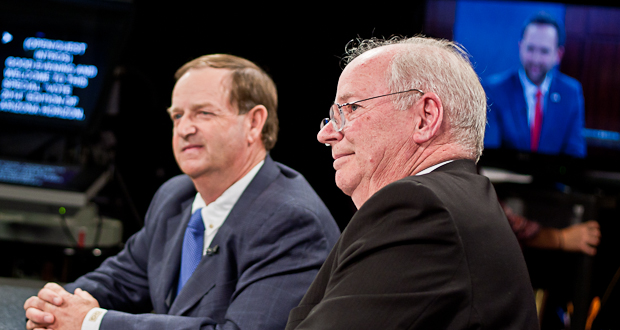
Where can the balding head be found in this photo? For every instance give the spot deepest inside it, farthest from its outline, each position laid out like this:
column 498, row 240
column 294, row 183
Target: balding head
column 441, row 67
column 402, row 106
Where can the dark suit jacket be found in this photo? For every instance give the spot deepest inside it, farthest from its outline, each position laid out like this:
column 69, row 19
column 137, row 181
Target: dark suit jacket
column 426, row 252
column 563, row 118
column 270, row 248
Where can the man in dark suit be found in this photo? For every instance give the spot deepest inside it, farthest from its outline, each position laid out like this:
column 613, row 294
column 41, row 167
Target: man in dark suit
column 429, row 247
column 232, row 244
column 536, row 108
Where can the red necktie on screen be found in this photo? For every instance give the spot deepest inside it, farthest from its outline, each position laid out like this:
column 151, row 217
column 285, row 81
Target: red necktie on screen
column 538, row 116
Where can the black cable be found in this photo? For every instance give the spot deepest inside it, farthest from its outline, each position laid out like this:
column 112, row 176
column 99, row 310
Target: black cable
column 610, row 287
column 66, row 230
column 125, row 191
column 98, row 231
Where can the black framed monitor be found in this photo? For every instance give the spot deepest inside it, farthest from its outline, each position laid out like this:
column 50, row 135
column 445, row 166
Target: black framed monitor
column 56, row 58
column 580, row 134
column 567, row 176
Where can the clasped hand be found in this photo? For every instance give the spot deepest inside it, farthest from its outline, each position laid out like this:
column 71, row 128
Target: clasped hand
column 55, row 308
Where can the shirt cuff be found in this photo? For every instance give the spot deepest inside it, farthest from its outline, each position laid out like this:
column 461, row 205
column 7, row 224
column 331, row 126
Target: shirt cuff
column 93, row 318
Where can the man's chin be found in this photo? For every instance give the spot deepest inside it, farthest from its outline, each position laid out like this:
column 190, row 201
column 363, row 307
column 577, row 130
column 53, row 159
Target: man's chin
column 536, row 76
column 344, row 185
column 192, row 170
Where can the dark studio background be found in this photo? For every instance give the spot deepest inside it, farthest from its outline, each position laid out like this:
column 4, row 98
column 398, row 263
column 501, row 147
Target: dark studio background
column 299, row 44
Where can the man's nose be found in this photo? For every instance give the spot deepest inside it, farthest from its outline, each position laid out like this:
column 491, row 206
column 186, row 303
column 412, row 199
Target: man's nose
column 538, row 56
column 328, row 135
column 185, row 127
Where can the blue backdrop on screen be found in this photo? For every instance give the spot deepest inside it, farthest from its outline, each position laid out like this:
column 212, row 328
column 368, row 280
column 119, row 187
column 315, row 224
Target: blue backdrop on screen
column 491, row 30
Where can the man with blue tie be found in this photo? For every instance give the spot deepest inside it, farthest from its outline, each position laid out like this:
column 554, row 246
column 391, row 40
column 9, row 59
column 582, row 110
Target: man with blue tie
column 536, row 108
column 233, row 243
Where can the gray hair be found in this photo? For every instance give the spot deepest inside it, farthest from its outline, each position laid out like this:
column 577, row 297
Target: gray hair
column 438, row 66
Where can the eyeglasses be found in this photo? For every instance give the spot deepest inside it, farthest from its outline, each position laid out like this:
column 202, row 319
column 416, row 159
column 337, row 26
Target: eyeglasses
column 338, row 121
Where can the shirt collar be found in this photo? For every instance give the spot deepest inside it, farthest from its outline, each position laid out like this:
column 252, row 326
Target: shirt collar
column 432, row 168
column 217, row 211
column 530, row 87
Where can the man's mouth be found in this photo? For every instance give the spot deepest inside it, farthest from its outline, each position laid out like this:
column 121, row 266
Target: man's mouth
column 191, row 147
column 337, row 156
column 339, row 159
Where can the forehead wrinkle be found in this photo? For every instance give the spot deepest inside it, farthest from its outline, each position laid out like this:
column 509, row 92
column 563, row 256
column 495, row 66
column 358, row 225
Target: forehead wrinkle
column 359, row 91
column 194, row 106
column 223, row 86
column 199, row 105
column 345, row 96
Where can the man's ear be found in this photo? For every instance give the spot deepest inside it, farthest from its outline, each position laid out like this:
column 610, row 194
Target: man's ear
column 255, row 120
column 429, row 118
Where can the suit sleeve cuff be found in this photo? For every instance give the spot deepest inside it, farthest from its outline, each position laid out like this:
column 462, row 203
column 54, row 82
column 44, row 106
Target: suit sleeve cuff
column 93, row 318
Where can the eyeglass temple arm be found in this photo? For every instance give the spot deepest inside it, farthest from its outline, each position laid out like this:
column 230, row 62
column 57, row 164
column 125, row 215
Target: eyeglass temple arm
column 376, row 97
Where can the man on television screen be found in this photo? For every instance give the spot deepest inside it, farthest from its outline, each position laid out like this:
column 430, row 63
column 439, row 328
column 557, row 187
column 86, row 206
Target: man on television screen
column 536, row 108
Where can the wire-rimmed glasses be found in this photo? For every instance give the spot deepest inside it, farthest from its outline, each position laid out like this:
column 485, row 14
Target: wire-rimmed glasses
column 339, row 121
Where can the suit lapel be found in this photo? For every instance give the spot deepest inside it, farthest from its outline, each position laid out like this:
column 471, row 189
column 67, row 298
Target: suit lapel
column 552, row 115
column 172, row 256
column 263, row 178
column 197, row 286
column 520, row 120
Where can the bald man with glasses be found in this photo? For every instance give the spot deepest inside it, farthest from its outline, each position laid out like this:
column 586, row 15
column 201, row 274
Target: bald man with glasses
column 429, row 247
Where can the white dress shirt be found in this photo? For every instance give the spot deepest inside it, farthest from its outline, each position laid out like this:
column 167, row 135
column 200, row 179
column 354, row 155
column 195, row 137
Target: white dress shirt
column 432, row 168
column 529, row 92
column 213, row 216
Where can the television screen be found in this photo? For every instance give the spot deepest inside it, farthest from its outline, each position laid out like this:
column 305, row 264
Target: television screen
column 55, row 58
column 571, row 173
column 574, row 123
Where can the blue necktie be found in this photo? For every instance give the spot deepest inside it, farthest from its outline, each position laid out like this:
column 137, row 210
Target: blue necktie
column 193, row 243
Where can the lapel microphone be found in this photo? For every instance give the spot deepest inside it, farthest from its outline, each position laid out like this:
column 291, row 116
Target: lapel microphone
column 213, row 250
